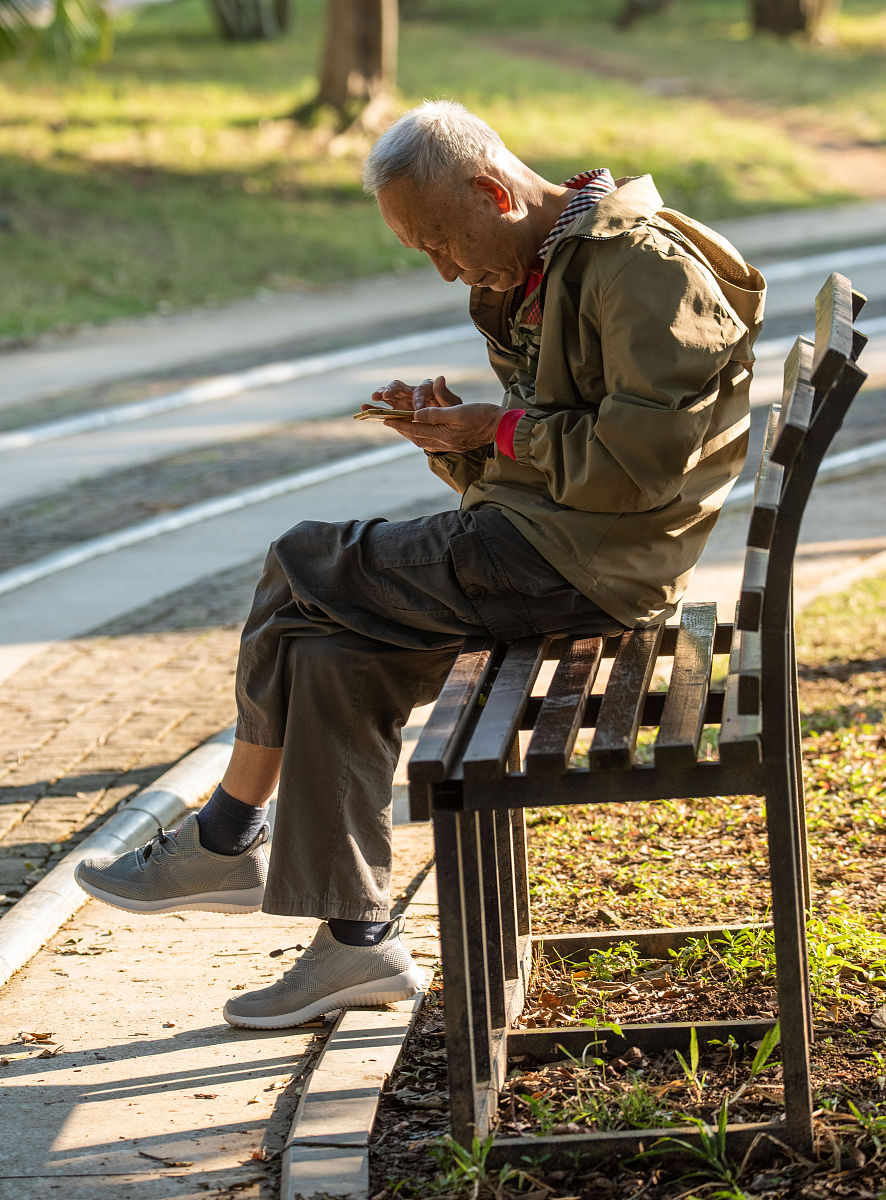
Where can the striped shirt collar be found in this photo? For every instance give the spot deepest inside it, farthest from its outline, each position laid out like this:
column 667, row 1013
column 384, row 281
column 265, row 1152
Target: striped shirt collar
column 589, row 186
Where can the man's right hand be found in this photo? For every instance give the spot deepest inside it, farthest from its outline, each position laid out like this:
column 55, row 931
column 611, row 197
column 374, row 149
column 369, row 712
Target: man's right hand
column 430, row 393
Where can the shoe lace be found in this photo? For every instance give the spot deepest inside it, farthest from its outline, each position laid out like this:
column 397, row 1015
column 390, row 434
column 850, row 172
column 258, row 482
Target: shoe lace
column 286, row 949
column 158, row 842
column 306, row 952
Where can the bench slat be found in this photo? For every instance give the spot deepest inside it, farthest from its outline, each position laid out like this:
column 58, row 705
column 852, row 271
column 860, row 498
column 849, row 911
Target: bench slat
column 487, row 751
column 798, row 398
column 440, row 739
column 762, row 524
column 676, row 746
column 562, row 709
column 750, row 673
column 753, row 588
column 622, row 706
column 740, row 734
column 833, row 330
column 767, row 487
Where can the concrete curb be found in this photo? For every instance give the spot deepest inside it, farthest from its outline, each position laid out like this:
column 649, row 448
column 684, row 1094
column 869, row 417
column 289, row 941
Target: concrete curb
column 38, row 915
column 327, row 1150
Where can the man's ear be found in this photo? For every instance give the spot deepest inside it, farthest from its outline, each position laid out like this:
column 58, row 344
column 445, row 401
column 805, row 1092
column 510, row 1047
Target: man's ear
column 496, row 191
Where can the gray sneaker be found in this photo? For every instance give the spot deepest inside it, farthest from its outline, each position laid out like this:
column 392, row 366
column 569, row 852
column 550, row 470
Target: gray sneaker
column 329, row 975
column 173, row 872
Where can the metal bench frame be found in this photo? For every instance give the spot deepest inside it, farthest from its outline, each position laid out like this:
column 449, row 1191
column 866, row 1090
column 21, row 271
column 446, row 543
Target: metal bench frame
column 469, row 775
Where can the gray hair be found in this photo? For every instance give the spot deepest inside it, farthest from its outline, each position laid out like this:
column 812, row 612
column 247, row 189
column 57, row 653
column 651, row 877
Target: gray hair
column 429, row 144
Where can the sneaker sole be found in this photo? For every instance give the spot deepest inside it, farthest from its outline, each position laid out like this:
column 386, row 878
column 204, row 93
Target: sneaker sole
column 248, row 900
column 383, row 991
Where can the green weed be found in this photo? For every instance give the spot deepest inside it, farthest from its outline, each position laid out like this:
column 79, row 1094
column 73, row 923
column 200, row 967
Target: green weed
column 708, row 1153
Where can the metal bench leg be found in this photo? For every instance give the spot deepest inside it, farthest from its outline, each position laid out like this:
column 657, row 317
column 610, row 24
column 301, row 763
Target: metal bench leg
column 504, row 848
column 797, row 751
column 788, row 916
column 492, row 911
column 462, row 937
column 521, row 871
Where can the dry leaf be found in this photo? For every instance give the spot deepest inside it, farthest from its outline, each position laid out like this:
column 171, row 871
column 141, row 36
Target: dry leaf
column 278, row 1085
column 205, row 1095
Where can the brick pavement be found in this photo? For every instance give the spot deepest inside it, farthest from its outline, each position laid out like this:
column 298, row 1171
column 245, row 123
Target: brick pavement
column 92, row 721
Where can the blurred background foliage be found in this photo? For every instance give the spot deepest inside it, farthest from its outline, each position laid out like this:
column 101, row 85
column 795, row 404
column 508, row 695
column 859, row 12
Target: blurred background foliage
column 172, row 173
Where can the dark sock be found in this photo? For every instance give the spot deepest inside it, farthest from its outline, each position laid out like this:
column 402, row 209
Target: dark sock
column 227, row 825
column 358, row 933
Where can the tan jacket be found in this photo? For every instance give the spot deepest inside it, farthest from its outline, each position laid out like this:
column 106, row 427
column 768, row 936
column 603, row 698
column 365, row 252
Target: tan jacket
column 637, row 410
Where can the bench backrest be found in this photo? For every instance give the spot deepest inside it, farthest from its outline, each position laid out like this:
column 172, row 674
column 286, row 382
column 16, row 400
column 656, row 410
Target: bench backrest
column 820, row 382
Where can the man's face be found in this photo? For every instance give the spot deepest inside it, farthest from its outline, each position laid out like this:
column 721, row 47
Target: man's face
column 468, row 229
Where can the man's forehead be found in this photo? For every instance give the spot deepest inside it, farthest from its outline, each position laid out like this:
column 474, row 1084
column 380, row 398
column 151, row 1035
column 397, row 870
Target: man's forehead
column 414, row 212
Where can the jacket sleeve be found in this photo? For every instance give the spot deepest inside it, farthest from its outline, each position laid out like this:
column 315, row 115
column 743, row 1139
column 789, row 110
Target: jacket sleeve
column 459, row 470
column 665, row 336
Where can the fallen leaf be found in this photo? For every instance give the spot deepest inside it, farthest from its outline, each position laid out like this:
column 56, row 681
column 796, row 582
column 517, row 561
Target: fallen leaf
column 878, row 1017
column 278, row 1085
column 205, row 1095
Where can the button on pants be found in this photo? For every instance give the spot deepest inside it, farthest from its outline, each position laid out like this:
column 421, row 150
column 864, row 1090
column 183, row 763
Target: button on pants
column 351, row 627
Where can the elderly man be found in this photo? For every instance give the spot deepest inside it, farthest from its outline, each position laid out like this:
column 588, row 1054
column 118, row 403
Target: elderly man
column 622, row 335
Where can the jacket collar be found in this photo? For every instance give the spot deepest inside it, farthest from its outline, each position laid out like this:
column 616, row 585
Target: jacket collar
column 634, row 201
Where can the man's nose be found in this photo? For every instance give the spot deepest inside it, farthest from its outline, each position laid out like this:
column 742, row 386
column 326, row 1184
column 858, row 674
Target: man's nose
column 445, row 266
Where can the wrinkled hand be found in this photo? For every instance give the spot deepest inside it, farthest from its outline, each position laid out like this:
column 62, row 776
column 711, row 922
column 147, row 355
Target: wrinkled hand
column 441, row 423
column 430, row 393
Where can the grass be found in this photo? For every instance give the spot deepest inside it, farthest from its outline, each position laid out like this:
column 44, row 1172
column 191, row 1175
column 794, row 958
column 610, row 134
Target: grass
column 170, row 176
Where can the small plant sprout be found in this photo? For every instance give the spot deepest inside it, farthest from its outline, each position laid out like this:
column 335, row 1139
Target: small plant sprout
column 695, row 1081
column 461, row 1167
column 761, row 1059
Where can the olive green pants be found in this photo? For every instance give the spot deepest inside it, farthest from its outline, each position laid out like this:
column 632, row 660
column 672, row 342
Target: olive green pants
column 352, row 626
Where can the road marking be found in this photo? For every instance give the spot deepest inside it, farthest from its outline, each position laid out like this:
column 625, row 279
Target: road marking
column 223, row 387
column 779, row 347
column 830, row 464
column 194, row 514
column 798, row 268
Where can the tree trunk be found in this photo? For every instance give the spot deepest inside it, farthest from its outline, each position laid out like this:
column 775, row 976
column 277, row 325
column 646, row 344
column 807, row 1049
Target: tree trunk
column 251, row 20
column 359, row 62
column 791, row 16
column 633, row 10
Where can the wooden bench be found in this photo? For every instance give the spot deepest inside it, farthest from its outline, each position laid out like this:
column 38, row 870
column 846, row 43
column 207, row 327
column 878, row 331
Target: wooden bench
column 469, row 774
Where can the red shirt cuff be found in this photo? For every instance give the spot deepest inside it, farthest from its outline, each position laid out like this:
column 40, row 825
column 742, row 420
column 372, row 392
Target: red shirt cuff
column 504, row 434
